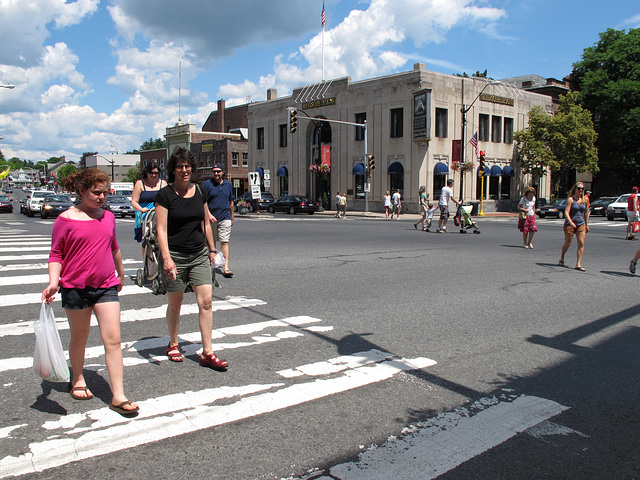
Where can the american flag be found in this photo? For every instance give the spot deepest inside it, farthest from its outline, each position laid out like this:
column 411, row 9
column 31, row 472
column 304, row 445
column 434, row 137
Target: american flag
column 474, row 142
column 323, row 16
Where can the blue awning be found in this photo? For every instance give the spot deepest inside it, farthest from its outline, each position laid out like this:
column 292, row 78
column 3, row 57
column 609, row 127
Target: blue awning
column 441, row 169
column 496, row 171
column 396, row 167
column 260, row 171
column 358, row 169
column 487, row 171
column 508, row 171
column 282, row 172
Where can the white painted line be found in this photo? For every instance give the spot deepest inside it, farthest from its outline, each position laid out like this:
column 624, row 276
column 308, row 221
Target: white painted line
column 25, row 327
column 25, row 249
column 6, row 258
column 164, row 417
column 448, row 440
column 39, row 266
column 5, row 243
column 190, row 344
column 27, row 298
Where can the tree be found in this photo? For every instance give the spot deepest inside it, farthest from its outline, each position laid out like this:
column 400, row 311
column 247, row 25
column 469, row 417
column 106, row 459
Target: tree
column 563, row 143
column 151, row 144
column 64, row 171
column 133, row 174
column 608, row 79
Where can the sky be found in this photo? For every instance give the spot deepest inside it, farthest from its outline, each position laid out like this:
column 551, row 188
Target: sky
column 104, row 75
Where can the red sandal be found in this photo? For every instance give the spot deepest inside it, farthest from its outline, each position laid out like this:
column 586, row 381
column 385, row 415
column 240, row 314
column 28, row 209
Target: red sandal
column 212, row 361
column 174, row 353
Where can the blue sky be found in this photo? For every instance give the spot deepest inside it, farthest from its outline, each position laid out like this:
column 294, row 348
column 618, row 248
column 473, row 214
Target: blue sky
column 90, row 74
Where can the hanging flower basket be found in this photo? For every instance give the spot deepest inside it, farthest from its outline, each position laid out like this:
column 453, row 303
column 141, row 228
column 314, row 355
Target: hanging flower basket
column 462, row 167
column 320, row 168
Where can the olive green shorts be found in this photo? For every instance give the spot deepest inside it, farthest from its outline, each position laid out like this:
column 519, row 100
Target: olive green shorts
column 192, row 269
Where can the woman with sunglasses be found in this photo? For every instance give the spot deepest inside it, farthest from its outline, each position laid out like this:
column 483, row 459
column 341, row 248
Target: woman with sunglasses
column 144, row 194
column 576, row 223
column 187, row 252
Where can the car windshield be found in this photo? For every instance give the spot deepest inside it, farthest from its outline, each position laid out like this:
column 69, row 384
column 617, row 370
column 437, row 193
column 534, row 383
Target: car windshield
column 4, row 198
column 57, row 198
column 117, row 199
column 560, row 203
column 622, row 198
column 601, row 201
column 40, row 194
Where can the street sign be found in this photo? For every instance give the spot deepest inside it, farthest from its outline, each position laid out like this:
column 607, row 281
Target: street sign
column 236, row 183
column 254, row 179
column 267, row 175
column 255, row 192
column 367, row 187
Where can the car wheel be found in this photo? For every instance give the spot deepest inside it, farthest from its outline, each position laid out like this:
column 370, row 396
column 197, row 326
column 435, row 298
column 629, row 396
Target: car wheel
column 270, row 210
column 561, row 215
column 29, row 213
column 540, row 215
column 42, row 215
column 311, row 213
column 292, row 210
column 610, row 218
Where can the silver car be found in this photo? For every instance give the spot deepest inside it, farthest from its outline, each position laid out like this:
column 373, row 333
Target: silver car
column 119, row 205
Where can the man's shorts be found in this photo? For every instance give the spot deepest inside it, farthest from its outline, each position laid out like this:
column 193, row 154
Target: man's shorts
column 81, row 298
column 192, row 269
column 444, row 211
column 222, row 231
column 631, row 216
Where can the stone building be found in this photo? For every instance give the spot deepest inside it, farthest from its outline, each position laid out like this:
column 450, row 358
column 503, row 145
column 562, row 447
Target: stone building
column 414, row 130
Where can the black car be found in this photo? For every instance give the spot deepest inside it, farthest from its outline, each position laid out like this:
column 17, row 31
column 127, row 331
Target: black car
column 553, row 209
column 54, row 205
column 6, row 205
column 264, row 201
column 293, row 204
column 599, row 206
column 119, row 205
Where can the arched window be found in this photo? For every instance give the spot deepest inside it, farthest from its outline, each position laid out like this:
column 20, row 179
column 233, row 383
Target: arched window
column 396, row 176
column 358, row 179
column 440, row 172
column 283, row 180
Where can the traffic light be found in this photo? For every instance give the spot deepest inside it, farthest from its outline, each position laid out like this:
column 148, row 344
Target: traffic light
column 481, row 167
column 293, row 119
column 370, row 164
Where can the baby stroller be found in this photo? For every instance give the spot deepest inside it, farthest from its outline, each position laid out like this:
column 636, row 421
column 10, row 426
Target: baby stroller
column 150, row 272
column 463, row 219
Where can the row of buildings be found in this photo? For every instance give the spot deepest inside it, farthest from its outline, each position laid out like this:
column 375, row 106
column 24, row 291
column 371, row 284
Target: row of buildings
column 419, row 125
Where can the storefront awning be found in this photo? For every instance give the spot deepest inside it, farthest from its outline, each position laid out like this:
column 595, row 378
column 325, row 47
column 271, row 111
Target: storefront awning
column 496, row 171
column 396, row 167
column 441, row 169
column 282, row 172
column 260, row 171
column 508, row 171
column 358, row 169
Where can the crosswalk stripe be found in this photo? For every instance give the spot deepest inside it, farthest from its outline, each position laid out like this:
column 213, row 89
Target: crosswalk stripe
column 44, row 266
column 31, row 298
column 25, row 327
column 110, row 432
column 7, row 258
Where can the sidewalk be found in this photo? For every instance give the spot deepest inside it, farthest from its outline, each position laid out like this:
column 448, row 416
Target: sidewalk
column 412, row 216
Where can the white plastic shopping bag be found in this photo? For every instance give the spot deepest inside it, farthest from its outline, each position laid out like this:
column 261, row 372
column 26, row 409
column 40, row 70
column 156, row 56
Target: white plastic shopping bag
column 49, row 361
column 219, row 260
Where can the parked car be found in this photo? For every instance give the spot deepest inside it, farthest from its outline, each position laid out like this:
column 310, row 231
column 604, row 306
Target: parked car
column 618, row 209
column 266, row 199
column 293, row 204
column 7, row 190
column 54, row 205
column 6, row 205
column 553, row 209
column 599, row 206
column 34, row 202
column 119, row 205
column 23, row 205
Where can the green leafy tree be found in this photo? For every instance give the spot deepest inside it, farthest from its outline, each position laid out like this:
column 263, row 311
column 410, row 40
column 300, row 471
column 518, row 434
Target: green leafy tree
column 608, row 79
column 151, row 144
column 133, row 174
column 64, row 171
column 562, row 143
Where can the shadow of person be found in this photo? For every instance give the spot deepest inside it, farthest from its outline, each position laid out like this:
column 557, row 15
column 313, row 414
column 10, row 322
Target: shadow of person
column 44, row 404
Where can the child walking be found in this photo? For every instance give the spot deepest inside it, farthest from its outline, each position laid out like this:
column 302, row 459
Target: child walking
column 84, row 258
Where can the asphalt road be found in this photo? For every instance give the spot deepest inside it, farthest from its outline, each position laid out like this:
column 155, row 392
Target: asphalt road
column 358, row 348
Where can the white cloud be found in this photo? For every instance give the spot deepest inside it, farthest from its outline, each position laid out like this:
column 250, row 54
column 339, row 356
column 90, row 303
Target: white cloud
column 632, row 22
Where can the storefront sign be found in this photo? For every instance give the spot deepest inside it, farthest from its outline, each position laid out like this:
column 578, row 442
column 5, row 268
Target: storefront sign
column 422, row 115
column 487, row 97
column 325, row 102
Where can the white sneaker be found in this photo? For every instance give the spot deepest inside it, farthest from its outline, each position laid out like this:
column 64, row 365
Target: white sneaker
column 632, row 266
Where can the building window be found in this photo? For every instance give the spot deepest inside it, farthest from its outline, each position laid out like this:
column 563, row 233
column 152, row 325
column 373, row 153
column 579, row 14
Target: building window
column 360, row 118
column 496, row 129
column 508, row 130
column 483, row 129
column 442, row 122
column 245, row 159
column 260, row 138
column 396, row 122
column 234, row 159
column 283, row 135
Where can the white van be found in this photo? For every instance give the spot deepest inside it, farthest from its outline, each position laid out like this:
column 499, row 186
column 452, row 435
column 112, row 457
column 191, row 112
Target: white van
column 122, row 188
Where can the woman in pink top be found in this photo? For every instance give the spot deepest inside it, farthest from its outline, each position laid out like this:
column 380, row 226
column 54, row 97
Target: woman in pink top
column 84, row 258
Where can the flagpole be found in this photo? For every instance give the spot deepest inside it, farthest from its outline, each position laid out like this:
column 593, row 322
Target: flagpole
column 323, row 18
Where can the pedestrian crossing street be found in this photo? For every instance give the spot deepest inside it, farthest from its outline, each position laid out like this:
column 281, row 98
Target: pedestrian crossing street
column 89, row 429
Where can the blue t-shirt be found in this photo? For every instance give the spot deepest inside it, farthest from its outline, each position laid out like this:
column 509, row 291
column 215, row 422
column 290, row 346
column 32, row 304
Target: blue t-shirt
column 219, row 197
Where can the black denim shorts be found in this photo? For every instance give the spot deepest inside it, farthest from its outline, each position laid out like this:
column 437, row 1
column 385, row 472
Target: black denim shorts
column 81, row 298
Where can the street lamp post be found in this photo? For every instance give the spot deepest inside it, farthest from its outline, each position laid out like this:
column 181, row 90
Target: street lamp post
column 112, row 162
column 464, row 111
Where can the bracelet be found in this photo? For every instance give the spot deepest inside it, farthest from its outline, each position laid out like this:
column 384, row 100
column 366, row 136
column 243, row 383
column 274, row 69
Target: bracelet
column 213, row 251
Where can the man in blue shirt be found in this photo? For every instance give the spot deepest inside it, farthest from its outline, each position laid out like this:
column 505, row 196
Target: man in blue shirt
column 220, row 198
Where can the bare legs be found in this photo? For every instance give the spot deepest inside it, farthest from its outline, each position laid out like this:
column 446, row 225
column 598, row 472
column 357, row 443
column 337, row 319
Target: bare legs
column 205, row 315
column 580, row 235
column 108, row 315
